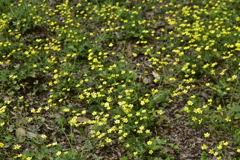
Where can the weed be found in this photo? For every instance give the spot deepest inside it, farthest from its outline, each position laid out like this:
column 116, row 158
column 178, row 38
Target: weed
column 100, row 79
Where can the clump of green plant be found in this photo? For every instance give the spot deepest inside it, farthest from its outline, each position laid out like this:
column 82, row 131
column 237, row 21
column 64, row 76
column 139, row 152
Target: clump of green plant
column 85, row 79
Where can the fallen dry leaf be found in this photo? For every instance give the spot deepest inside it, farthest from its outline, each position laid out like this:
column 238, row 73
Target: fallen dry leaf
column 82, row 119
column 164, row 117
column 31, row 135
column 129, row 47
column 20, row 134
column 156, row 75
column 146, row 80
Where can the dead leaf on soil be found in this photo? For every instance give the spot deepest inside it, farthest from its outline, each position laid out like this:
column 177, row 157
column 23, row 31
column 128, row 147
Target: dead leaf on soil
column 178, row 115
column 169, row 150
column 129, row 47
column 82, row 119
column 146, row 80
column 20, row 134
column 156, row 75
column 31, row 135
column 164, row 117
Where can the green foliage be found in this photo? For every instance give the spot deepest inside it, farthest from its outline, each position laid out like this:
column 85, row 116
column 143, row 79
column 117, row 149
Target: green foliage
column 96, row 79
column 204, row 156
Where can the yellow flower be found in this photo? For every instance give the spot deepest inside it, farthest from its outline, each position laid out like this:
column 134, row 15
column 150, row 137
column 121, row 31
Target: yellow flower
column 150, row 152
column 18, row 156
column 216, row 153
column 238, row 150
column 147, row 131
column 135, row 153
column 219, row 147
column 54, row 144
column 206, row 134
column 204, row 146
column 210, row 101
column 190, row 103
column 66, row 110
column 84, row 112
column 1, row 124
column 149, row 142
column 186, row 109
column 205, row 106
column 219, row 107
column 141, row 128
column 1, row 145
column 43, row 136
column 225, row 143
column 108, row 140
column 197, row 110
column 58, row 153
column 194, row 118
column 16, row 146
column 227, row 119
column 160, row 112
column 117, row 121
column 211, row 151
column 142, row 103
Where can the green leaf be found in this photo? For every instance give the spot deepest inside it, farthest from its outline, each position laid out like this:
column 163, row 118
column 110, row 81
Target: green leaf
column 73, row 48
column 124, row 158
column 204, row 156
column 8, row 138
column 11, row 93
column 236, row 108
column 176, row 147
column 237, row 116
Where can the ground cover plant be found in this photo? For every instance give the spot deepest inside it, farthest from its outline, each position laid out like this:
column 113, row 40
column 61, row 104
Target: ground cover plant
column 141, row 79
